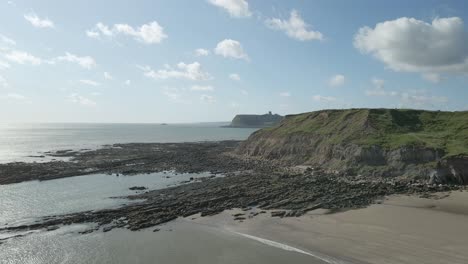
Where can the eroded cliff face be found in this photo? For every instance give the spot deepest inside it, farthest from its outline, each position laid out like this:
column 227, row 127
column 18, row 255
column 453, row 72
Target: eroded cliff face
column 350, row 157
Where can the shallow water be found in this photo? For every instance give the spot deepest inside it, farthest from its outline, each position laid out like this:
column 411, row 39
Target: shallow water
column 19, row 141
column 175, row 243
column 23, row 202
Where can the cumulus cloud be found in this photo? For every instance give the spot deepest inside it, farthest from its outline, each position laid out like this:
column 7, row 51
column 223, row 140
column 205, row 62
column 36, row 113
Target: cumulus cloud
column 202, row 52
column 78, row 99
column 39, row 22
column 234, row 76
column 412, row 98
column 431, row 77
column 7, row 40
column 285, row 94
column 323, row 99
column 208, row 98
column 86, row 62
column 379, row 89
column 411, row 45
column 151, row 33
column 192, row 71
column 337, row 80
column 295, row 27
column 4, row 65
column 230, row 48
column 206, row 88
column 422, row 99
column 90, row 82
column 235, row 8
column 108, row 76
column 128, row 82
column 3, row 82
column 175, row 95
column 22, row 57
column 13, row 96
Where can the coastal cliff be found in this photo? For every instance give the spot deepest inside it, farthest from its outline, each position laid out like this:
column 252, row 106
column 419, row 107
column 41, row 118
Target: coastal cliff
column 256, row 121
column 429, row 145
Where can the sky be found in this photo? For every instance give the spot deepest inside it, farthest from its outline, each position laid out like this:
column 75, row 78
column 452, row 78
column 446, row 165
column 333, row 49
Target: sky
column 208, row 60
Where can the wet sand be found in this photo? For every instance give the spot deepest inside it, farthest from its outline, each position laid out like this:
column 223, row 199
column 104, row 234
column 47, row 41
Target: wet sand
column 402, row 229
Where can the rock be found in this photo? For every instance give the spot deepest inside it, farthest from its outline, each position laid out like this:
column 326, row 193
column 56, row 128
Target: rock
column 137, row 188
column 278, row 213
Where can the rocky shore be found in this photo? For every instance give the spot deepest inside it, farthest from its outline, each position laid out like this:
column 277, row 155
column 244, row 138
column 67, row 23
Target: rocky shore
column 136, row 158
column 245, row 183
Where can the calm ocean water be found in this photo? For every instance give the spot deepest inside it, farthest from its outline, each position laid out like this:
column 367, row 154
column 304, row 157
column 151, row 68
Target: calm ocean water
column 175, row 243
column 20, row 141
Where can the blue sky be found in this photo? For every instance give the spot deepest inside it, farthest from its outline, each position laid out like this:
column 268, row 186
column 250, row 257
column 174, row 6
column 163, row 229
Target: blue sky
column 207, row 60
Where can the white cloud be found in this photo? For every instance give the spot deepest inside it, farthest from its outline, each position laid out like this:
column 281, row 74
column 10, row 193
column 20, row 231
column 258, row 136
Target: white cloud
column 379, row 89
column 128, row 82
column 191, row 71
column 78, row 99
column 337, row 80
column 38, row 22
column 234, row 105
column 95, row 93
column 411, row 98
column 295, row 27
column 151, row 33
column 4, row 65
column 411, row 45
column 3, row 82
column 324, row 99
column 92, row 34
column 7, row 40
column 22, row 57
column 90, row 82
column 202, row 52
column 235, row 8
column 229, row 48
column 208, row 98
column 108, row 76
column 420, row 98
column 13, row 96
column 244, row 92
column 207, row 88
column 378, row 83
column 431, row 77
column 86, row 62
column 234, row 76
column 285, row 94
column 173, row 94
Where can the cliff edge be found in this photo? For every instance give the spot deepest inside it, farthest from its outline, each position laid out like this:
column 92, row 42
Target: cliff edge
column 420, row 144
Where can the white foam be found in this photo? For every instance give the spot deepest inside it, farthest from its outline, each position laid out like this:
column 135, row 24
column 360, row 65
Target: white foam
column 290, row 248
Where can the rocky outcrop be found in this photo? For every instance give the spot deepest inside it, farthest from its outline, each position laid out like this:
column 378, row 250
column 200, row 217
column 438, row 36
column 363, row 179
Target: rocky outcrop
column 266, row 120
column 363, row 141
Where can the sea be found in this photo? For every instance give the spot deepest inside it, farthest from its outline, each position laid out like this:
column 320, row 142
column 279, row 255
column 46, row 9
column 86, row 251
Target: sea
column 176, row 242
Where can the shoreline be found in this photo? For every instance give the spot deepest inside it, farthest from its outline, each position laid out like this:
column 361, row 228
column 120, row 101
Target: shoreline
column 424, row 231
column 309, row 211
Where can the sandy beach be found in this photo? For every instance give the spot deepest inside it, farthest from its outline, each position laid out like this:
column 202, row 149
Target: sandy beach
column 401, row 229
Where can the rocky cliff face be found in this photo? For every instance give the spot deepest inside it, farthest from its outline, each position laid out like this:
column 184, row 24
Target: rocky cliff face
column 355, row 141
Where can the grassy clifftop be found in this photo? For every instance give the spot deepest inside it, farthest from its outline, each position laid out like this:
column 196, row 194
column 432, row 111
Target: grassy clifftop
column 388, row 128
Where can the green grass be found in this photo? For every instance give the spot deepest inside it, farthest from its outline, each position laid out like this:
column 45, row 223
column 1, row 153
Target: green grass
column 389, row 128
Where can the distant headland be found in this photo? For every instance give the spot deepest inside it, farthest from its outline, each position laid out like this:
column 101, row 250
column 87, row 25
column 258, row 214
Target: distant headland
column 256, row 121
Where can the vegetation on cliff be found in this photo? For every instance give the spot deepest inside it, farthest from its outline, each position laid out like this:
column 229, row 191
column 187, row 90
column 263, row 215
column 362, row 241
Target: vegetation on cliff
column 386, row 142
column 389, row 128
